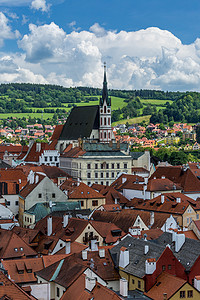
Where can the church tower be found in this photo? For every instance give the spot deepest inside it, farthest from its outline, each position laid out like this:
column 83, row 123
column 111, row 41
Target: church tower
column 105, row 130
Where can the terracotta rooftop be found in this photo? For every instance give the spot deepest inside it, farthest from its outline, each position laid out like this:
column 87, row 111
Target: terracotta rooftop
column 9, row 290
column 170, row 204
column 12, row 246
column 74, row 152
column 111, row 194
column 182, row 176
column 120, row 182
column 162, row 184
column 57, row 131
column 77, row 291
column 83, row 191
column 166, row 283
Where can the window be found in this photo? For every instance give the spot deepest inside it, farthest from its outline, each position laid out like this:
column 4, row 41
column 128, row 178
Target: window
column 8, row 203
column 96, row 166
column 50, row 158
column 89, row 183
column 182, row 294
column 107, row 182
column 101, row 182
column 113, row 174
column 82, row 203
column 55, row 158
column 89, row 175
column 96, row 175
column 104, row 121
column 118, row 166
column 89, row 166
column 29, row 270
column 53, row 195
column 107, row 175
column 102, row 175
column 16, row 203
column 133, row 281
column 45, row 158
column 188, row 219
column 61, row 245
column 39, row 195
column 104, row 109
column 190, row 294
column 125, row 165
column 169, row 267
column 113, row 166
column 104, row 135
column 58, row 292
column 197, row 217
column 94, row 202
column 107, row 166
column 163, row 268
column 108, row 121
column 101, row 166
column 139, row 284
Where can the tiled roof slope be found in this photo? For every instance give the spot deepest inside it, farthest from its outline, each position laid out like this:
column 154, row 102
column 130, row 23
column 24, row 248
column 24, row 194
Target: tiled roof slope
column 12, row 291
column 130, row 179
column 74, row 152
column 184, row 177
column 166, row 283
column 12, row 246
column 77, row 291
column 162, row 184
column 57, row 131
column 83, row 191
column 127, row 217
column 170, row 204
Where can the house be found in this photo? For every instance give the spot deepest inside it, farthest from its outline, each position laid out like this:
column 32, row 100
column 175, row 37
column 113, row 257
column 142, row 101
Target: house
column 61, row 275
column 168, row 286
column 182, row 208
column 141, row 160
column 10, row 152
column 39, row 189
column 11, row 181
column 142, row 261
column 195, row 227
column 10, row 290
column 88, row 197
column 81, row 290
column 39, row 153
column 96, row 162
column 7, row 218
column 182, row 176
column 134, row 221
column 140, row 171
column 12, row 246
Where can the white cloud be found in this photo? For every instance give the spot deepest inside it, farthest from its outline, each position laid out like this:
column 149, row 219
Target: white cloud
column 40, row 5
column 144, row 59
column 5, row 30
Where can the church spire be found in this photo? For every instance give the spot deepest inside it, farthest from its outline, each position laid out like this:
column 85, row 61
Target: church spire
column 105, row 90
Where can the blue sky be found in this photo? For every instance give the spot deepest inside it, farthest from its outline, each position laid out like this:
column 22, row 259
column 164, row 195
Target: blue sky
column 146, row 43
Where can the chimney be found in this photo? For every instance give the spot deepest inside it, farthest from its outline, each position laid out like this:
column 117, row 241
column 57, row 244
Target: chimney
column 115, row 201
column 38, row 147
column 146, row 249
column 102, row 253
column 144, row 191
column 145, row 180
column 164, row 296
column 162, row 199
column 197, row 282
column 123, row 257
column 123, row 283
column 124, row 179
column 150, row 266
column 94, row 246
column 49, row 225
column 67, row 246
column 36, row 179
column 84, row 254
column 179, row 241
column 151, row 218
column 65, row 220
column 90, row 283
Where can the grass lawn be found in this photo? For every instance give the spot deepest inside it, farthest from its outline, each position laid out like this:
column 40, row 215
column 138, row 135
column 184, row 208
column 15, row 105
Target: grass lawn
column 133, row 121
column 155, row 101
column 26, row 115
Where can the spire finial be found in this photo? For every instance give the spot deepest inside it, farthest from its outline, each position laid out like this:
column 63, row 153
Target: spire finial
column 104, row 71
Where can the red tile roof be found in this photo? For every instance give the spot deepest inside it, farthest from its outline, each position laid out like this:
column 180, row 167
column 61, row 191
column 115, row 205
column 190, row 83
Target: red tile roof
column 166, row 283
column 83, row 191
column 10, row 290
column 162, row 184
column 57, row 131
column 74, row 152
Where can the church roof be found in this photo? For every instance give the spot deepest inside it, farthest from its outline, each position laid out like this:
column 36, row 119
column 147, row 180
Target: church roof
column 80, row 123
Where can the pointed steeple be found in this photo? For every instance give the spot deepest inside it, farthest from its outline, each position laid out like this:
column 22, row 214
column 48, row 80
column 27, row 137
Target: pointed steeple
column 105, row 90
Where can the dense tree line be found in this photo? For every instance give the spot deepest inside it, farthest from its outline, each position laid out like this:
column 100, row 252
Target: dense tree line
column 184, row 109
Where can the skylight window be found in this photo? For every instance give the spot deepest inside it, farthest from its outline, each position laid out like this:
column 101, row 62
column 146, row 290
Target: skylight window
column 15, row 249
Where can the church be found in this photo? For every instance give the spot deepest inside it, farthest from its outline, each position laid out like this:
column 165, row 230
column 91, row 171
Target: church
column 89, row 123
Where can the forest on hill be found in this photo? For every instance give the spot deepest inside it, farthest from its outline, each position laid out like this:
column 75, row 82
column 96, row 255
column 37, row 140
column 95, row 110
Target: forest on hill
column 163, row 107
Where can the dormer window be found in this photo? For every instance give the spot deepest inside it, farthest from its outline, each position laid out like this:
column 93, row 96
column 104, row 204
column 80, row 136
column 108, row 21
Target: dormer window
column 15, row 249
column 21, row 249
